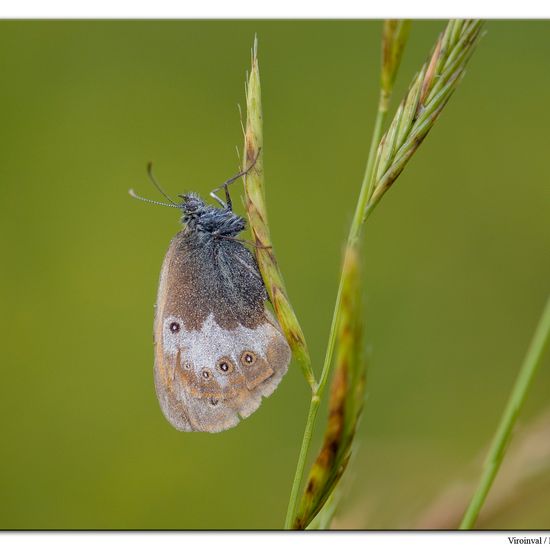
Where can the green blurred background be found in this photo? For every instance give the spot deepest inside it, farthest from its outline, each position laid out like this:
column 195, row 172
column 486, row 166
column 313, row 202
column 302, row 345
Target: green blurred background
column 457, row 265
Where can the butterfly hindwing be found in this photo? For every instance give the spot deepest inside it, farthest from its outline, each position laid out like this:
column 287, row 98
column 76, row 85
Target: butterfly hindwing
column 218, row 350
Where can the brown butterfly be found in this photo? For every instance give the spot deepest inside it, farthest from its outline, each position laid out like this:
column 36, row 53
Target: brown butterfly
column 218, row 350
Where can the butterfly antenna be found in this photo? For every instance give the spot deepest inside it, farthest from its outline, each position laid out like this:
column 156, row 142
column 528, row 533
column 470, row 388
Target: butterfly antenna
column 156, row 183
column 135, row 196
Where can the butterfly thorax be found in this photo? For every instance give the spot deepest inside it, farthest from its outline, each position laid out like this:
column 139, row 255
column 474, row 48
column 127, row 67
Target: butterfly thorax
column 204, row 218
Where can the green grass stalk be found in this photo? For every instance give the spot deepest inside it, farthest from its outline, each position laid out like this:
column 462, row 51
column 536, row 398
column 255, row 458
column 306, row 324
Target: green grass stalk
column 393, row 42
column 539, row 344
column 428, row 94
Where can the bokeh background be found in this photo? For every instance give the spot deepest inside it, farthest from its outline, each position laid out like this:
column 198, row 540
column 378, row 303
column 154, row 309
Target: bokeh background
column 457, row 268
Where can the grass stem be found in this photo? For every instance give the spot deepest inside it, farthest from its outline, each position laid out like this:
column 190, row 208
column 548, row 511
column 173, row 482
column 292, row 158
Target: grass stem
column 299, row 474
column 532, row 361
column 428, row 94
column 360, row 215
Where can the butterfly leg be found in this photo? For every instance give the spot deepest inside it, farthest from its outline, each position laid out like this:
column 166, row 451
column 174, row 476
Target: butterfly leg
column 228, row 204
column 218, row 200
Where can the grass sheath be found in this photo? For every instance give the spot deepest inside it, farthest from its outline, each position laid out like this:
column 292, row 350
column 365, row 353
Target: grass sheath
column 346, row 401
column 533, row 359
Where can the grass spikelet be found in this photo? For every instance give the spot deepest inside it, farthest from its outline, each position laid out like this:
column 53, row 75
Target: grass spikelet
column 254, row 186
column 394, row 38
column 428, row 94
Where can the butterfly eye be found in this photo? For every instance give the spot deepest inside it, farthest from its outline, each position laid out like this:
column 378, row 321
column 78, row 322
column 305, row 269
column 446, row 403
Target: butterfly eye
column 174, row 327
column 248, row 358
column 225, row 365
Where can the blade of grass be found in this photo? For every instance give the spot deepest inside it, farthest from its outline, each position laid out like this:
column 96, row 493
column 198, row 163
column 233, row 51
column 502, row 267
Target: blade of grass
column 532, row 361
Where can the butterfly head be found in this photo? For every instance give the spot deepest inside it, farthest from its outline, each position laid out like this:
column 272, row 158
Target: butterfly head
column 205, row 218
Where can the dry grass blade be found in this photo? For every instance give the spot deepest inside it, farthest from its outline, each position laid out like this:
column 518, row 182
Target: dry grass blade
column 346, row 401
column 528, row 458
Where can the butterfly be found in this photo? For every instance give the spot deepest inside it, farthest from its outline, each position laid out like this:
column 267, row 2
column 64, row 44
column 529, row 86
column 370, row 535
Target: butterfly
column 218, row 348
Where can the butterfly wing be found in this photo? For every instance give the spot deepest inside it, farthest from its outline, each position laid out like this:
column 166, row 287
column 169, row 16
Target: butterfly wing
column 218, row 350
